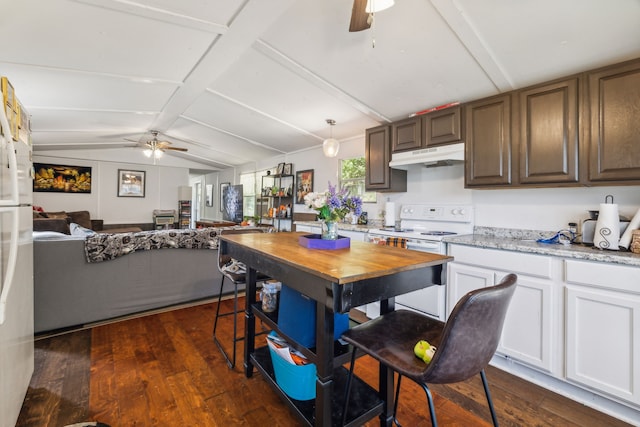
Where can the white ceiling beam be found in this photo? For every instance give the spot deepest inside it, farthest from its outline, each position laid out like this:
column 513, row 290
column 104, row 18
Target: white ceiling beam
column 308, row 75
column 455, row 17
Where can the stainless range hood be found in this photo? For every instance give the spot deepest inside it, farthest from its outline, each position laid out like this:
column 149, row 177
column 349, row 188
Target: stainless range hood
column 441, row 155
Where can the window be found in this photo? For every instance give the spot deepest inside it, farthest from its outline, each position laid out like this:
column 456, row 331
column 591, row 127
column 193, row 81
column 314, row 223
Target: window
column 352, row 173
column 248, row 181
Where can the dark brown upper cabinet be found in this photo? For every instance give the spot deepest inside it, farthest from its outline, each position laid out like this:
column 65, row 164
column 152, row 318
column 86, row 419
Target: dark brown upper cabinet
column 488, row 142
column 437, row 128
column 442, row 127
column 548, row 138
column 614, row 143
column 406, row 134
column 379, row 176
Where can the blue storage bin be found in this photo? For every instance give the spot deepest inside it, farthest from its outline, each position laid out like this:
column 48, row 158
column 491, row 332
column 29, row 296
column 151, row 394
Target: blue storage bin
column 297, row 381
column 297, row 318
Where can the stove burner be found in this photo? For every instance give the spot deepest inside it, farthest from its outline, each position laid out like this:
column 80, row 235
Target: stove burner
column 438, row 233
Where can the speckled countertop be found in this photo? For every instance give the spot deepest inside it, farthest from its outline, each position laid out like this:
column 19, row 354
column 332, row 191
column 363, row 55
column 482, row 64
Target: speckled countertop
column 525, row 241
column 372, row 225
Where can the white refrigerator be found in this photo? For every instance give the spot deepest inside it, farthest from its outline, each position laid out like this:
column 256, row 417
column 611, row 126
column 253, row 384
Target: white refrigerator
column 16, row 270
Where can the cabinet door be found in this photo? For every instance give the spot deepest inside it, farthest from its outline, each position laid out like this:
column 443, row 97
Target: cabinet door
column 614, row 98
column 462, row 279
column 488, row 142
column 379, row 176
column 603, row 341
column 527, row 331
column 406, row 134
column 442, row 127
column 549, row 133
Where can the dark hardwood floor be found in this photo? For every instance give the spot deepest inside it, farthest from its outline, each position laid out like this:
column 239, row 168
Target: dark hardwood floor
column 165, row 370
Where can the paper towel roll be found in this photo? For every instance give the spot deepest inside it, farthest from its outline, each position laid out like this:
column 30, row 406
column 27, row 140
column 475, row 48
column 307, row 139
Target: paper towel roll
column 607, row 234
column 625, row 240
column 390, row 214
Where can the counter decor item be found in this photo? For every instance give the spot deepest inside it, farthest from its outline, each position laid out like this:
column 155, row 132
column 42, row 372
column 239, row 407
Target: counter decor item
column 318, row 241
column 607, row 234
column 635, row 242
column 332, row 206
column 633, row 226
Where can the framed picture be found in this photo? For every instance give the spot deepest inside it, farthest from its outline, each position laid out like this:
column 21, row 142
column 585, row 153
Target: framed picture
column 232, row 203
column 50, row 178
column 280, row 169
column 304, row 184
column 223, row 186
column 208, row 194
column 288, row 168
column 131, row 183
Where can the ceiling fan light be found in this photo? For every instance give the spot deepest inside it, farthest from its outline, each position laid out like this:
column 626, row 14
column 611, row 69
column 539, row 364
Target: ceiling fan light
column 330, row 147
column 374, row 6
column 157, row 153
column 148, row 152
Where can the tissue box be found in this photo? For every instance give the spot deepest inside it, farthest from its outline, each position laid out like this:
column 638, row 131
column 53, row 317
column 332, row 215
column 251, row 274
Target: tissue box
column 297, row 381
column 297, row 318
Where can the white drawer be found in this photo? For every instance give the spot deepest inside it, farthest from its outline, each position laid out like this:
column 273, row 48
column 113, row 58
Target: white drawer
column 603, row 275
column 514, row 262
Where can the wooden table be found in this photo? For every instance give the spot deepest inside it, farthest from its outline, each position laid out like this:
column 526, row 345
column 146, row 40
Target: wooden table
column 338, row 280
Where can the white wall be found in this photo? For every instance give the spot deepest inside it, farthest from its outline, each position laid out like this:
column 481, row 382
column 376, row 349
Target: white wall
column 161, row 191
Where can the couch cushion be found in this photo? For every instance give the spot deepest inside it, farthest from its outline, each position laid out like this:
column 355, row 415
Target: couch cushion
column 56, row 215
column 51, row 224
column 81, row 218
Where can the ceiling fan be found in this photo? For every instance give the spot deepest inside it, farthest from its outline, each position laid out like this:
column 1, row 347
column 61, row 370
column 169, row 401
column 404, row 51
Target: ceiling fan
column 363, row 11
column 155, row 148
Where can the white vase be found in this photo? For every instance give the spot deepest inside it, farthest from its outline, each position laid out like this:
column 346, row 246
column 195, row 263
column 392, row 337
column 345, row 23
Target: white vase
column 607, row 234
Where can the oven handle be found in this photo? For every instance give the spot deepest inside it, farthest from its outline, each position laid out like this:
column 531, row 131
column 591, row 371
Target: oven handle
column 425, row 247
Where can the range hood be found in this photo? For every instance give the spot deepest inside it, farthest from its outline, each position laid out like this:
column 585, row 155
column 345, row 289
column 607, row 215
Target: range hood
column 441, row 155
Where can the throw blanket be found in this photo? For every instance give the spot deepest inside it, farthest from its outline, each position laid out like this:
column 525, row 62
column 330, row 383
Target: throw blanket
column 103, row 247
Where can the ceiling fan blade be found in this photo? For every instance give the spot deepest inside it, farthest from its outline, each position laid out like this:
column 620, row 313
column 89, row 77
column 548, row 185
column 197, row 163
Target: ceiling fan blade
column 359, row 17
column 175, row 148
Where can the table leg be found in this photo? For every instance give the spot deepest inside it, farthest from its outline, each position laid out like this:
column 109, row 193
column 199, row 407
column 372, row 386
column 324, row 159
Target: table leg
column 324, row 365
column 386, row 389
column 249, row 321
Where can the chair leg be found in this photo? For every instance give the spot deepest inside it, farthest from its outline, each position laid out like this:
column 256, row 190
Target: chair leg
column 347, row 393
column 231, row 361
column 432, row 409
column 485, row 384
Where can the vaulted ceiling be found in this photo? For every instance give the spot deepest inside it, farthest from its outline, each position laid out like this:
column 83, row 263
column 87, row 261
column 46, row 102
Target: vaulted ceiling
column 234, row 81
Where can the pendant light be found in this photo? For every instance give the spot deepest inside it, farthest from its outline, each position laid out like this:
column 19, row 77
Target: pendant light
column 374, row 6
column 331, row 146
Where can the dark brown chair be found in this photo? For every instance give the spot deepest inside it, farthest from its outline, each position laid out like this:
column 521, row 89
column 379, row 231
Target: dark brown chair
column 238, row 279
column 465, row 344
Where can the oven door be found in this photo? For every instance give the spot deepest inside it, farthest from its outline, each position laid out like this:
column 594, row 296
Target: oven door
column 430, row 300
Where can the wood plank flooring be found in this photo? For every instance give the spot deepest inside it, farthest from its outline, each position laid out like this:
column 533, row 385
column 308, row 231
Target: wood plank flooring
column 165, row 370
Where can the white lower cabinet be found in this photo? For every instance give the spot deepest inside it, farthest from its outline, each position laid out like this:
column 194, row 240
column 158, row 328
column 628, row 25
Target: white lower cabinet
column 572, row 326
column 603, row 328
column 530, row 332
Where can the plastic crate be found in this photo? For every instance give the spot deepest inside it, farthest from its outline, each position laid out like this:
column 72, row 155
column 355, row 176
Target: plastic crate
column 297, row 318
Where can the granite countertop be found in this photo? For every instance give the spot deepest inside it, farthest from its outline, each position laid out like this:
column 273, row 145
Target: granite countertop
column 525, row 241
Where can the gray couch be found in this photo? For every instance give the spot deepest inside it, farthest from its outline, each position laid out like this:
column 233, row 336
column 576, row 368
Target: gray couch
column 69, row 291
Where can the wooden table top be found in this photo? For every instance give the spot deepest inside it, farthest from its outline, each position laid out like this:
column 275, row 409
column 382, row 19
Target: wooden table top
column 359, row 262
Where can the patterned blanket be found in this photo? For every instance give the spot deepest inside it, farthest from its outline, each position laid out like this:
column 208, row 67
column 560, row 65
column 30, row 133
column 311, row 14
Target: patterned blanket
column 104, row 246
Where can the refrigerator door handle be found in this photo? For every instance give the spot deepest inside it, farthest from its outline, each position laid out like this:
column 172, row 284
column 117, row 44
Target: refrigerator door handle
column 13, row 161
column 11, row 263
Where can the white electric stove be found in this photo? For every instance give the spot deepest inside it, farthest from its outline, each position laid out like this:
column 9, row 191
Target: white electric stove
column 424, row 226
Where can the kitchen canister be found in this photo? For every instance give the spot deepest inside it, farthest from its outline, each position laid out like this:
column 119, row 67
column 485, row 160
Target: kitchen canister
column 607, row 233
